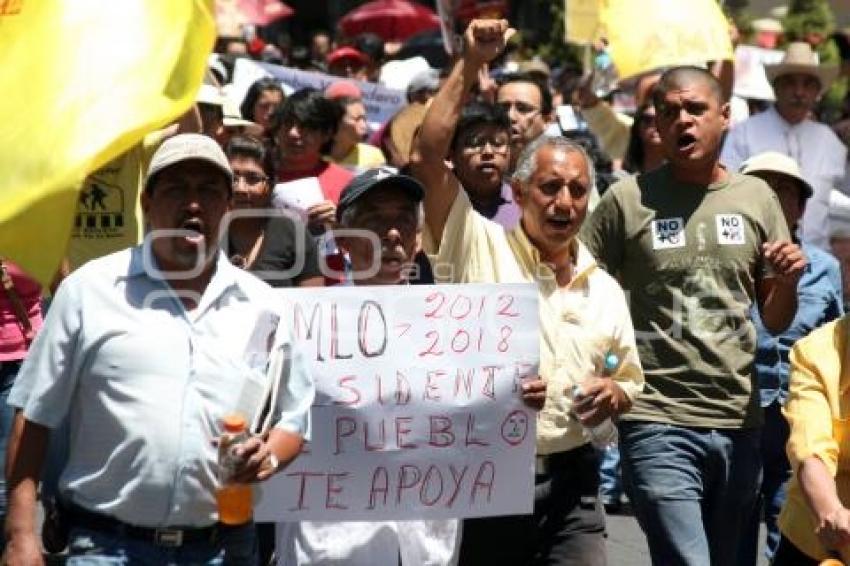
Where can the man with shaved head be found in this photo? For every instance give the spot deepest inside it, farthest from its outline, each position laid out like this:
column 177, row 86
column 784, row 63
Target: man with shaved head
column 695, row 245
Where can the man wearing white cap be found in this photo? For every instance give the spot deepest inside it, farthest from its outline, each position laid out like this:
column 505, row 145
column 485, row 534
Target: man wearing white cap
column 798, row 81
column 143, row 352
column 819, row 302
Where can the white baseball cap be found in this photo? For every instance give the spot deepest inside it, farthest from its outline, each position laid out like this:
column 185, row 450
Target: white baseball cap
column 775, row 162
column 187, row 147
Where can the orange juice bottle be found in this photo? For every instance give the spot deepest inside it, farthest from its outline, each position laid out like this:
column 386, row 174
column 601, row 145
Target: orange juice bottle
column 235, row 500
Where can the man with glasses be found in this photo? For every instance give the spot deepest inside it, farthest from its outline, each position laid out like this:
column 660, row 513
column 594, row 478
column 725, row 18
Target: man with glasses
column 527, row 101
column 479, row 150
column 276, row 248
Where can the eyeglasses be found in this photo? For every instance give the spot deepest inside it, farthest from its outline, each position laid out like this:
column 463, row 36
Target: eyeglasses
column 478, row 143
column 521, row 107
column 249, row 177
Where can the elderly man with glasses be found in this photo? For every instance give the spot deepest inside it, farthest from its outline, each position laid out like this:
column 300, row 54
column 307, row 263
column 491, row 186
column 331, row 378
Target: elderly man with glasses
column 583, row 317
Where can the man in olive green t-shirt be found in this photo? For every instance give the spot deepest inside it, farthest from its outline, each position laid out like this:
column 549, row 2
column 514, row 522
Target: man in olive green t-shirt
column 693, row 246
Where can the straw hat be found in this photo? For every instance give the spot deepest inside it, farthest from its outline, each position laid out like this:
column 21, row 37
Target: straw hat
column 209, row 94
column 775, row 162
column 404, row 125
column 535, row 67
column 800, row 58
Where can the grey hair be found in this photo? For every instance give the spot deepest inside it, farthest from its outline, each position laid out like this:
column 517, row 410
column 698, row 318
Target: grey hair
column 349, row 215
column 527, row 161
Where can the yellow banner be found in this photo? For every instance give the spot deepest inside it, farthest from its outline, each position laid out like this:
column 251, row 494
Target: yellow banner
column 581, row 20
column 648, row 34
column 82, row 83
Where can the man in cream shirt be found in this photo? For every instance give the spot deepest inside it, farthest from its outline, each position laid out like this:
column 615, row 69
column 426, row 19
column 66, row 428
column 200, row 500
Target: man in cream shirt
column 583, row 317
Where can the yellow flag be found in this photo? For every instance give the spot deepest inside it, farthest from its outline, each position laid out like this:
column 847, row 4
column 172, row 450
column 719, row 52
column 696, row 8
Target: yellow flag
column 83, row 81
column 648, row 34
column 581, row 20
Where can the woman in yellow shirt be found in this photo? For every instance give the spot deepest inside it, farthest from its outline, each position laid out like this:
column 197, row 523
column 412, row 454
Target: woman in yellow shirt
column 815, row 521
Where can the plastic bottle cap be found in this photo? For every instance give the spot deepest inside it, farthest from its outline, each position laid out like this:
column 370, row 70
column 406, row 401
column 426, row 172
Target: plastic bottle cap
column 234, row 423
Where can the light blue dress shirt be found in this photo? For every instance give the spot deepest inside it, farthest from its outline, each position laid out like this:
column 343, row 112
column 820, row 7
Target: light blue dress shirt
column 818, row 302
column 144, row 383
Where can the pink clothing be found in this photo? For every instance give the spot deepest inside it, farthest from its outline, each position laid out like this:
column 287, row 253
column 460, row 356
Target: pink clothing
column 13, row 345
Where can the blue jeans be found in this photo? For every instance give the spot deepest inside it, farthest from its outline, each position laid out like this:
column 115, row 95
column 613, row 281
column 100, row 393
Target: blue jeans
column 237, row 546
column 691, row 489
column 8, row 372
column 776, row 471
column 610, row 481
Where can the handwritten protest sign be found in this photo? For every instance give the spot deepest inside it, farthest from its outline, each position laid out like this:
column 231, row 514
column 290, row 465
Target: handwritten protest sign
column 381, row 103
column 418, row 411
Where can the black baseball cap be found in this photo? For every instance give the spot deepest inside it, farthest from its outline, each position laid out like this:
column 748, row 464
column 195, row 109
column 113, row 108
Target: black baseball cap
column 377, row 178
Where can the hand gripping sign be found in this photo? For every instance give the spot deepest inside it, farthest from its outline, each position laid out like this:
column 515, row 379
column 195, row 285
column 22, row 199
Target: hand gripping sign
column 418, row 410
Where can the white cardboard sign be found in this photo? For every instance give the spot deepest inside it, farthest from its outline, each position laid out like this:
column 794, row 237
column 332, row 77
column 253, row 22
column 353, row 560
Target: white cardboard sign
column 298, row 195
column 418, row 412
column 750, row 78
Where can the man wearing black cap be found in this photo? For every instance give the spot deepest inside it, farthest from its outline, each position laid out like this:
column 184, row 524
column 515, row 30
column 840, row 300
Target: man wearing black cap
column 380, row 230
column 384, row 205
column 380, row 220
column 143, row 352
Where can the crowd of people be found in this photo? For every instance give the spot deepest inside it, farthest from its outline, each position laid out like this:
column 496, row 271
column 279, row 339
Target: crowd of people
column 696, row 246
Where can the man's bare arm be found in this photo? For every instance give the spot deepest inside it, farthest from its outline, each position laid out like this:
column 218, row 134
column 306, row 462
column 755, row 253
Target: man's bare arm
column 24, row 461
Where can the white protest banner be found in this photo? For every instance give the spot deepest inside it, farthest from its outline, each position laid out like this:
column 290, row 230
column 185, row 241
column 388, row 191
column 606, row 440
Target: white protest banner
column 418, row 412
column 298, row 195
column 750, row 79
column 381, row 102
